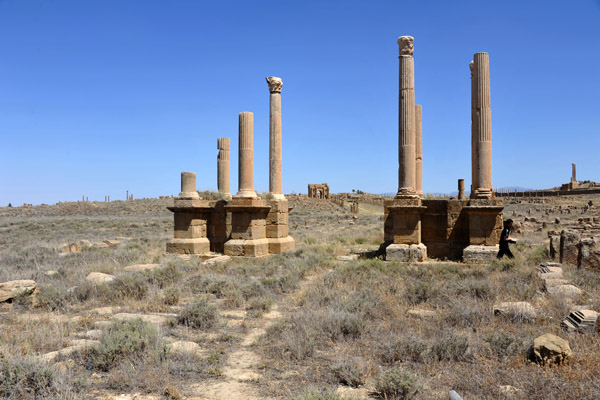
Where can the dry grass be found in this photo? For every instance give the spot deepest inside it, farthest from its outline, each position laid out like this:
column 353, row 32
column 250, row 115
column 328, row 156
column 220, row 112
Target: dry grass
column 346, row 326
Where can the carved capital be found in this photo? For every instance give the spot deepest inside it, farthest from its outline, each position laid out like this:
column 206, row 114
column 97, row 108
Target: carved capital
column 406, row 44
column 275, row 84
column 472, row 68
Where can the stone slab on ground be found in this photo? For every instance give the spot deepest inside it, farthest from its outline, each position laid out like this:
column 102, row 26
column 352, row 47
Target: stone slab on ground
column 141, row 267
column 77, row 346
column 217, row 260
column 11, row 289
column 406, row 252
column 474, row 254
column 568, row 292
column 583, row 321
column 515, row 309
column 99, row 277
column 156, row 319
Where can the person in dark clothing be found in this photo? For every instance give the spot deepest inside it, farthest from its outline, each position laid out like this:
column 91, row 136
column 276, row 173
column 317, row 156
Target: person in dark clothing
column 505, row 239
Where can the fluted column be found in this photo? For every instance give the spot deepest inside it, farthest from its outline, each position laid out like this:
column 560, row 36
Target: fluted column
column 419, row 150
column 474, row 134
column 573, row 172
column 461, row 189
column 246, row 155
column 406, row 121
column 483, row 122
column 275, row 183
column 223, row 165
column 188, row 186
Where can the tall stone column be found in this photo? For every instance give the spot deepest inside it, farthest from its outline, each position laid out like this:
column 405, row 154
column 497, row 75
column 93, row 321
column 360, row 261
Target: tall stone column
column 474, row 134
column 461, row 189
column 573, row 172
column 188, row 186
column 275, row 184
column 246, row 156
column 483, row 122
column 419, row 150
column 406, row 120
column 223, row 165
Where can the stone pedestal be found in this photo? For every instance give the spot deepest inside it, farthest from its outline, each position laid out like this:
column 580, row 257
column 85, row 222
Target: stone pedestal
column 485, row 228
column 248, row 228
column 219, row 226
column 402, row 230
column 190, row 230
column 277, row 228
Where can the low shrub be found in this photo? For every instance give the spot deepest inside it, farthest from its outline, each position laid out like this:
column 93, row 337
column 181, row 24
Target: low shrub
column 451, row 348
column 200, row 314
column 396, row 384
column 28, row 378
column 50, row 297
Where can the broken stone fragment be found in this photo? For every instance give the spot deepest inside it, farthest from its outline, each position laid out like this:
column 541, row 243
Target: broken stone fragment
column 11, row 289
column 550, row 349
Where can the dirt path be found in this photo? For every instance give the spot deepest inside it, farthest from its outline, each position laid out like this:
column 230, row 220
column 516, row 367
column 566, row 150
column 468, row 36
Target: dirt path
column 241, row 372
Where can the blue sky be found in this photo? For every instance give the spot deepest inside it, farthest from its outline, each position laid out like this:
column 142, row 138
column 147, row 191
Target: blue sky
column 100, row 97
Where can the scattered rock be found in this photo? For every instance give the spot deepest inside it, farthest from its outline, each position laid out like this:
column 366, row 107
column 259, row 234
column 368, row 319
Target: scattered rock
column 94, row 334
column 51, row 273
column 99, row 277
column 569, row 246
column 511, row 391
column 11, row 289
column 565, row 291
column 551, row 282
column 67, row 351
column 141, row 267
column 100, row 245
column 515, row 310
column 550, row 349
column 423, row 314
column 63, row 367
column 589, row 254
column 190, row 349
column 156, row 319
column 217, row 260
column 112, row 243
column 347, row 258
column 583, row 321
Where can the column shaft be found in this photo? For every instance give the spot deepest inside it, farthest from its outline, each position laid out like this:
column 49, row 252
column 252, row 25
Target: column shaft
column 419, row 150
column 246, row 156
column 223, row 165
column 406, row 120
column 188, row 186
column 275, row 180
column 483, row 121
column 474, row 134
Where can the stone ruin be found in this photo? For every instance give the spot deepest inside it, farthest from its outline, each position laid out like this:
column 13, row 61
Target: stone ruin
column 454, row 228
column 318, row 191
column 242, row 225
column 573, row 184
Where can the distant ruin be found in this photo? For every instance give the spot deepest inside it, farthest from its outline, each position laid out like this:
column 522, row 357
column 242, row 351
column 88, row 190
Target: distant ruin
column 318, row 191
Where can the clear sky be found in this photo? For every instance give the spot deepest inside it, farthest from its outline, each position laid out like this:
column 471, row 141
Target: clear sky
column 102, row 96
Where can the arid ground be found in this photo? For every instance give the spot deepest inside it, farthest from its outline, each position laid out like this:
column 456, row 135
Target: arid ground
column 328, row 321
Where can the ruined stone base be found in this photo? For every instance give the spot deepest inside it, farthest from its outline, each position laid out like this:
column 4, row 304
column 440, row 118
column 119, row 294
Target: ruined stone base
column 199, row 246
column 480, row 254
column 406, row 252
column 281, row 245
column 247, row 247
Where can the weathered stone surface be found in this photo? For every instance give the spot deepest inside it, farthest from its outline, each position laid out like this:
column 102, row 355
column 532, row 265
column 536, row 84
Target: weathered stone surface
column 247, row 248
column 551, row 282
column 77, row 345
column 350, row 257
column 565, row 291
column 112, row 243
column 156, row 319
column 474, row 254
column 555, row 247
column 583, row 321
column 550, row 349
column 99, row 277
column 190, row 349
column 515, row 310
column 406, row 252
column 11, row 289
column 217, row 260
column 569, row 247
column 141, row 267
column 420, row 313
column 281, row 245
column 189, row 246
column 589, row 254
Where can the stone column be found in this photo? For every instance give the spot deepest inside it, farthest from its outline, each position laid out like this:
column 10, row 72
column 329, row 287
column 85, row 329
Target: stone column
column 246, row 156
column 419, row 150
column 406, row 121
column 474, row 134
column 573, row 172
column 223, row 166
column 188, row 186
column 275, row 184
column 461, row 189
column 483, row 122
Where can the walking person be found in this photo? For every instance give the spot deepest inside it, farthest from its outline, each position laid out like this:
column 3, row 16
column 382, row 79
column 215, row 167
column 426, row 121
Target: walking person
column 505, row 239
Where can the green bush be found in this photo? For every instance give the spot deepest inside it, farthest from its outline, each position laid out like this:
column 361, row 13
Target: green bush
column 396, row 384
column 420, row 292
column 50, row 297
column 131, row 340
column 200, row 314
column 171, row 296
column 451, row 348
column 352, row 373
column 133, row 286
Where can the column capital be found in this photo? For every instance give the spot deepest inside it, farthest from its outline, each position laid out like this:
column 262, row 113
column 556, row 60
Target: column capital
column 406, row 44
column 472, row 68
column 274, row 83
